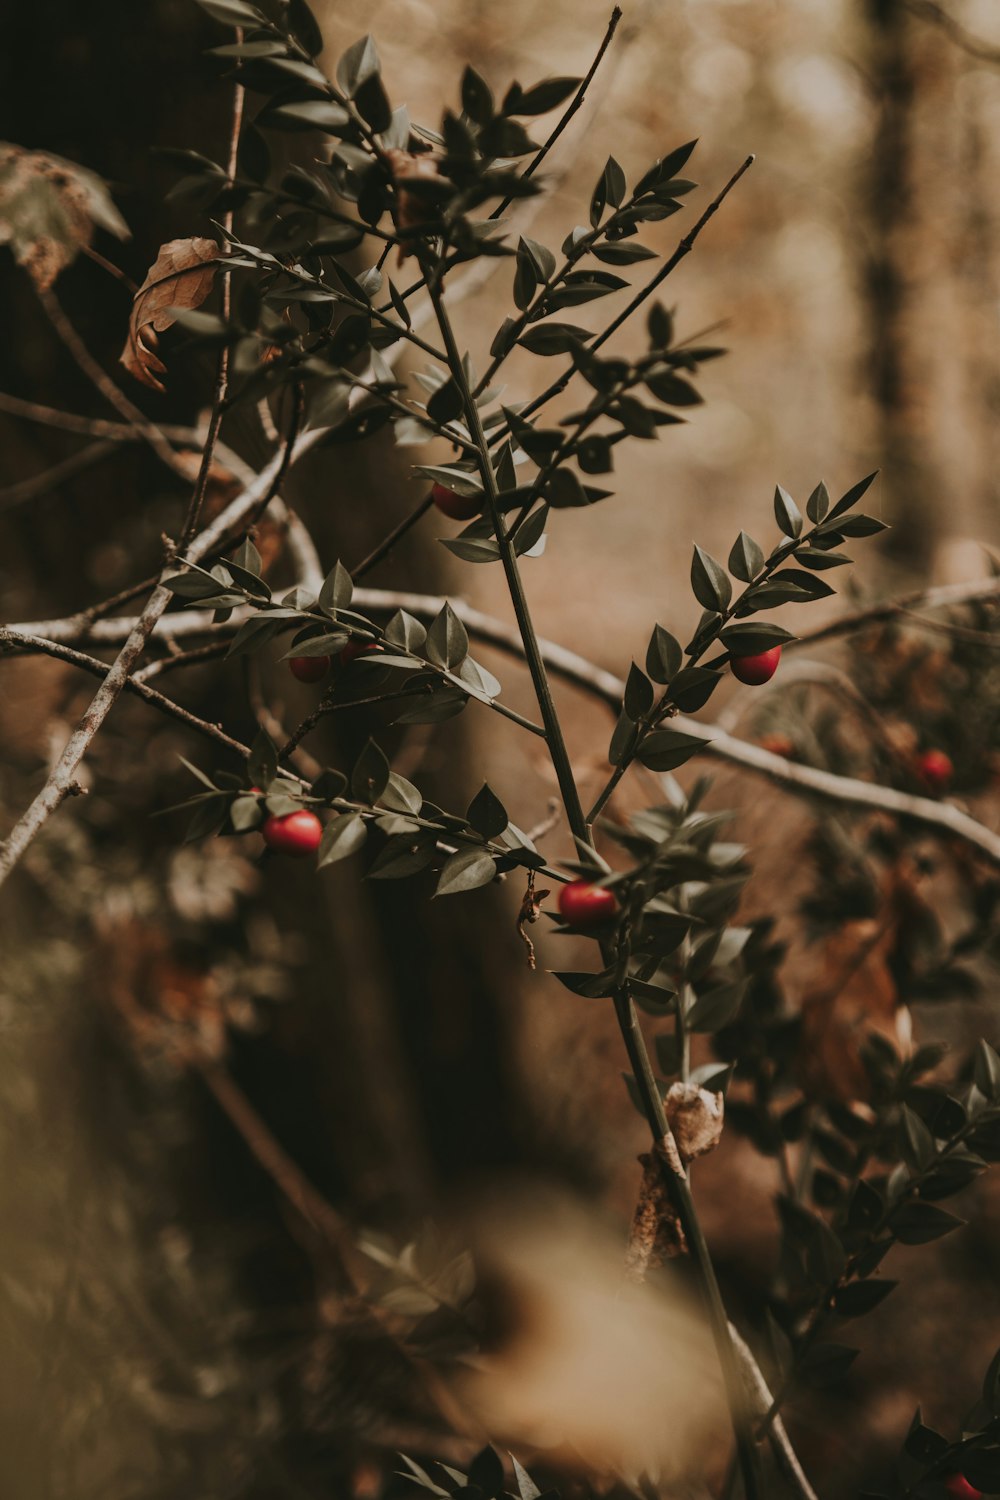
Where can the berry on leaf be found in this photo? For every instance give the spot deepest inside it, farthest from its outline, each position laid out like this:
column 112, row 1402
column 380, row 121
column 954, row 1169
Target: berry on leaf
column 309, row 668
column 754, row 670
column 458, row 507
column 296, row 833
column 585, row 904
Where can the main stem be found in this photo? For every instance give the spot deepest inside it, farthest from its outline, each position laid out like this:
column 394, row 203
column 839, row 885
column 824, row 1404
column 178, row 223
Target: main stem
column 667, row 1156
column 532, row 652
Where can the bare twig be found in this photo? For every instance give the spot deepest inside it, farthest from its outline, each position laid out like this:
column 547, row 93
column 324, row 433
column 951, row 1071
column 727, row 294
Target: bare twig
column 62, row 780
column 49, row 479
column 222, row 374
column 98, row 377
column 944, row 596
column 964, row 39
column 761, row 1400
column 942, row 818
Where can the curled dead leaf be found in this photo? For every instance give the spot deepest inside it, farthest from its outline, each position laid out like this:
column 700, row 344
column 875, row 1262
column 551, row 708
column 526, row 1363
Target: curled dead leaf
column 49, row 209
column 695, row 1116
column 411, row 209
column 180, row 277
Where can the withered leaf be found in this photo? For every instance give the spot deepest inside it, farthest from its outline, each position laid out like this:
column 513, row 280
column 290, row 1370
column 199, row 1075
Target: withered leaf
column 180, row 277
column 48, row 210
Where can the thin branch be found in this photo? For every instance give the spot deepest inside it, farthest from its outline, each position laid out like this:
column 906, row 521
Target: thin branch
column 387, row 543
column 20, row 641
column 964, row 39
column 944, row 596
column 569, row 112
column 222, row 375
column 683, row 248
column 62, row 779
column 98, row 377
column 49, row 479
column 761, row 1401
column 941, row 818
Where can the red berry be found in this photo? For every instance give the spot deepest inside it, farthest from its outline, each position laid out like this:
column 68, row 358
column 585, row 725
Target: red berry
column 585, row 904
column 936, row 769
column 778, row 744
column 309, row 668
column 458, row 507
column 753, row 670
column 958, row 1486
column 354, row 649
column 295, row 833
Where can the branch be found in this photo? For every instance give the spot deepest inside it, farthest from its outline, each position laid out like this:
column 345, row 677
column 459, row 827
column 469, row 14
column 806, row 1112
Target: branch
column 941, row 818
column 928, row 10
column 62, row 779
column 761, row 1401
column 98, row 377
column 944, row 596
column 48, row 479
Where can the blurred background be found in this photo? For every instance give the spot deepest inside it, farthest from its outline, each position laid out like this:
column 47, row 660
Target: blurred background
column 162, row 1303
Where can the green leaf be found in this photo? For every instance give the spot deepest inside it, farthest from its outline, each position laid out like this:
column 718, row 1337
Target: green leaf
column 624, row 253
column 787, row 513
column 670, row 388
column 405, row 631
column 716, row 1008
column 459, row 480
column 305, row 27
column 853, row 495
column 262, row 762
column 554, row 338
column 403, row 855
column 446, row 403
column 540, row 98
column 663, row 655
column 370, row 775
column 477, row 97
column 540, row 256
column 465, row 871
column 487, row 814
column 447, row 639
column 709, row 582
column 484, row 549
column 337, row 590
column 818, row 503
column 748, row 640
column 401, row 795
column 341, row 836
column 917, row 1223
column 527, row 1489
column 639, row 695
column 746, row 559
column 860, row 1297
column 232, row 12
column 986, row 1071
column 359, row 63
column 530, row 532
column 666, row 749
column 308, row 114
column 588, row 986
column 327, row 644
column 610, row 189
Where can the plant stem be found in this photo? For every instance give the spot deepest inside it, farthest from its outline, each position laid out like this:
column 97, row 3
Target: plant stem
column 533, row 656
column 679, row 1191
column 667, row 1156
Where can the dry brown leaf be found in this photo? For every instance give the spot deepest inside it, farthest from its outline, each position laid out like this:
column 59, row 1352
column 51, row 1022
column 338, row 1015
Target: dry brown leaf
column 695, row 1117
column 180, row 277
column 411, row 209
column 48, row 210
